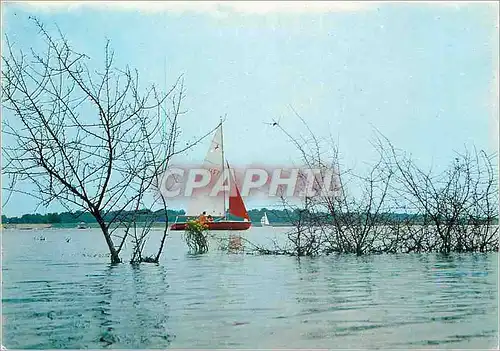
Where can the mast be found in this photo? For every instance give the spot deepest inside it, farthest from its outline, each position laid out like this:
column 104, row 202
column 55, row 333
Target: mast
column 166, row 103
column 222, row 149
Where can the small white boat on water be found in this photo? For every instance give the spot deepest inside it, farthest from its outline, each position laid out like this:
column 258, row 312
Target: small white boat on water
column 264, row 221
column 82, row 225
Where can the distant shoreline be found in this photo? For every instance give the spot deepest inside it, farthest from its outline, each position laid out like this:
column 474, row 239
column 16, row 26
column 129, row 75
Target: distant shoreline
column 26, row 226
column 35, row 226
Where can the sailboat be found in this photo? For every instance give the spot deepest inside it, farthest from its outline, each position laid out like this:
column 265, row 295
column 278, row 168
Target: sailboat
column 215, row 206
column 82, row 225
column 264, row 221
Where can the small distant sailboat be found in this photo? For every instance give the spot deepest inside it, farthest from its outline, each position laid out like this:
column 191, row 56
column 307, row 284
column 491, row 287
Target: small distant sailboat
column 264, row 221
column 82, row 225
column 215, row 206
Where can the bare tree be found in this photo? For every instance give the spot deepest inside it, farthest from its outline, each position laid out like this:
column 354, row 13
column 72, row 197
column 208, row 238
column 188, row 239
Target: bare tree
column 396, row 206
column 481, row 225
column 89, row 139
column 307, row 236
column 458, row 205
column 337, row 219
column 360, row 217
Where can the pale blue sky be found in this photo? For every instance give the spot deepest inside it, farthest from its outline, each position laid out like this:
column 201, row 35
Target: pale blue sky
column 423, row 74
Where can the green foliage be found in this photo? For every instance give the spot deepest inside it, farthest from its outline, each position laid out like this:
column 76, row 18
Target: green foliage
column 196, row 237
column 80, row 216
column 53, row 218
column 196, row 226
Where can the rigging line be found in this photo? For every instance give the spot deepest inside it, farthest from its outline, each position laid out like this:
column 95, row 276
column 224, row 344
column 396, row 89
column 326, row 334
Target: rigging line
column 222, row 153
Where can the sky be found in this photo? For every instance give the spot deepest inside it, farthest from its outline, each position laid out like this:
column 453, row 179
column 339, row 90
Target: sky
column 423, row 74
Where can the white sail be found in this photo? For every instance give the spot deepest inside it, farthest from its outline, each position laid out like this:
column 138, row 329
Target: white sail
column 264, row 220
column 214, row 154
column 201, row 201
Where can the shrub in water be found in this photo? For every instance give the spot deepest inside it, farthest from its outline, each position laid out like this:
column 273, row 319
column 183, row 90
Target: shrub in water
column 196, row 236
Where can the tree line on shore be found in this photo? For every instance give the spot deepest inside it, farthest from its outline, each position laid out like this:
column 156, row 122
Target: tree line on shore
column 275, row 216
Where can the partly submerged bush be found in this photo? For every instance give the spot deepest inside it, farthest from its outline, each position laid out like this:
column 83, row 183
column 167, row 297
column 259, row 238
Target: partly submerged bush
column 196, row 236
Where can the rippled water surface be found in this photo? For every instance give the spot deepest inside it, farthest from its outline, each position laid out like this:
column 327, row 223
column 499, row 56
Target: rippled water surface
column 59, row 294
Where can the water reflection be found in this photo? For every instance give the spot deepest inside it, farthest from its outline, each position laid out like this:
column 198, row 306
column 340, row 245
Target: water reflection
column 102, row 314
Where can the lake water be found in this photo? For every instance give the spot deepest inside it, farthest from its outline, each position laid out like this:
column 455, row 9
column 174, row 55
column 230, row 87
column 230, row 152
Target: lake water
column 59, row 294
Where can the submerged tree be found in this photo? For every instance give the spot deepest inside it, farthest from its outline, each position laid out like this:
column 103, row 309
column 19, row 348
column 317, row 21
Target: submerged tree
column 396, row 206
column 457, row 207
column 332, row 217
column 90, row 139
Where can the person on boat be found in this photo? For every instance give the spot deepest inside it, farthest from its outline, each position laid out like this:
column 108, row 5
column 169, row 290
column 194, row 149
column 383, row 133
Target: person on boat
column 210, row 218
column 203, row 218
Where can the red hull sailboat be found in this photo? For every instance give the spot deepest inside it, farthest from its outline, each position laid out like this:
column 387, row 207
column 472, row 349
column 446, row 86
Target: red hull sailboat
column 222, row 225
column 216, row 208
